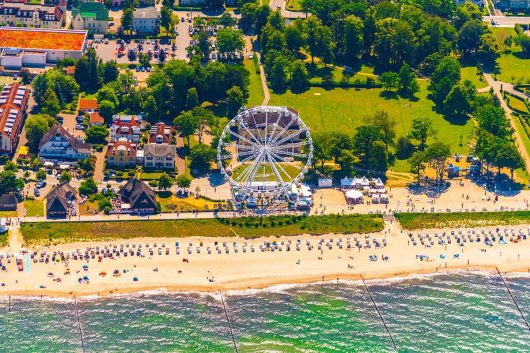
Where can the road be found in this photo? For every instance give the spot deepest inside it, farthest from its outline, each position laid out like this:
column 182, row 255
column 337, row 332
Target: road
column 507, row 21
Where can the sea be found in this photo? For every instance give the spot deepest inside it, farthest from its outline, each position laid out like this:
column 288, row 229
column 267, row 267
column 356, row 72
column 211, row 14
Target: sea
column 450, row 312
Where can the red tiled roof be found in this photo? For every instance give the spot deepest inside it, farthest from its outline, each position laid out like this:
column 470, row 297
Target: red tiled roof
column 95, row 118
column 130, row 146
column 85, row 104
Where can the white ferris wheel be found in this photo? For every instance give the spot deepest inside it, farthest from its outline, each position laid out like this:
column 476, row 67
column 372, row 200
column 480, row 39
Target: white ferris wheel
column 263, row 151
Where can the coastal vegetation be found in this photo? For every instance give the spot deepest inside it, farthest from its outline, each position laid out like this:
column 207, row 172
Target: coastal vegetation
column 246, row 227
column 412, row 221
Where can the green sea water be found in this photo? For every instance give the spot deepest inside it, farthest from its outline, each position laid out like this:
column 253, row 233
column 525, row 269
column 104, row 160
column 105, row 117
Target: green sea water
column 457, row 312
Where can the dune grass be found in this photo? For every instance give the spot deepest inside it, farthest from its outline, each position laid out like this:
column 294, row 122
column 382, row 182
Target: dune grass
column 412, row 221
column 248, row 227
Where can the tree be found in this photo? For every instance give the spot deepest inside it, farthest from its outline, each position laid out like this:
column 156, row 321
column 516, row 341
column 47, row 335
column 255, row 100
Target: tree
column 524, row 42
column 186, row 124
column 201, row 158
column 446, row 75
column 339, row 143
column 408, row 84
column 41, row 174
column 229, row 40
column 437, row 153
column 404, row 148
column 390, row 81
column 299, row 81
column 417, row 163
column 10, row 166
column 493, row 120
column 110, row 71
column 165, row 17
column 351, row 44
column 322, row 145
column 131, row 55
column 108, row 93
column 51, row 105
column 9, row 182
column 65, row 176
column 184, row 181
column 394, row 43
column 88, row 187
column 106, row 109
column 165, row 182
column 234, row 100
column 192, row 98
column 226, row 20
column 203, row 40
column 458, row 104
column 469, row 38
column 96, row 134
column 203, row 118
column 144, row 60
column 127, row 19
column 364, row 142
column 293, row 37
column 508, row 156
column 422, row 129
column 36, row 127
column 489, row 49
column 346, row 160
column 386, row 125
column 162, row 56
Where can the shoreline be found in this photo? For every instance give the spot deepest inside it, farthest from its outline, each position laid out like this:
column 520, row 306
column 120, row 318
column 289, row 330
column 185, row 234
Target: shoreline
column 209, row 265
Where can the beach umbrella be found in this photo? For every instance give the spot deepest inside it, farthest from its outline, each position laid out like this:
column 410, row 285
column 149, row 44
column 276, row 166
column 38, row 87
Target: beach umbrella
column 135, row 279
column 103, row 273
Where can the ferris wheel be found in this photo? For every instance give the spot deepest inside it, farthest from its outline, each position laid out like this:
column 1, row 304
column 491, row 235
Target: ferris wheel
column 263, row 151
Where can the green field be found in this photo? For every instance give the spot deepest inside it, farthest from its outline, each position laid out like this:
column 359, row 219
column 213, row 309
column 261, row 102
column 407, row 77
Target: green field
column 255, row 88
column 34, row 208
column 514, row 68
column 358, row 76
column 344, row 109
column 293, row 5
column 3, row 239
column 412, row 221
column 517, row 103
column 247, row 227
column 470, row 73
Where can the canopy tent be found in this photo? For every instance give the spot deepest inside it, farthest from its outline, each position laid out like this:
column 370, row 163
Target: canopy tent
column 347, row 183
column 354, row 196
column 325, row 182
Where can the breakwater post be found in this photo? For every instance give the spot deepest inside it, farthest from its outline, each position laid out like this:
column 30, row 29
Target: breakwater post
column 9, row 303
column 79, row 325
column 379, row 313
column 228, row 321
column 513, row 298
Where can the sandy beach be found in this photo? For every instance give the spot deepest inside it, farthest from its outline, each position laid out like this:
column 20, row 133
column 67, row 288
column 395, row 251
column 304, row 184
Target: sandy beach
column 252, row 269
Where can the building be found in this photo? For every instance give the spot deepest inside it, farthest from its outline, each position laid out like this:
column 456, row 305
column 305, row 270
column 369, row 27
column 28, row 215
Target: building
column 128, row 118
column 137, row 197
column 160, row 156
column 95, row 119
column 13, row 105
column 146, row 20
column 8, row 202
column 39, row 47
column 60, row 146
column 126, row 129
column 160, row 133
column 37, row 16
column 121, row 154
column 87, row 105
column 91, row 16
column 513, row 4
column 60, row 201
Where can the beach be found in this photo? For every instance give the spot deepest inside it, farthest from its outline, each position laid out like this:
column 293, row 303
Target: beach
column 260, row 263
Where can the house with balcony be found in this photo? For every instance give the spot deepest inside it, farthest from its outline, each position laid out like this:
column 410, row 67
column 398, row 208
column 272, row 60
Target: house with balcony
column 121, row 154
column 61, row 147
column 13, row 106
column 160, row 156
column 126, row 129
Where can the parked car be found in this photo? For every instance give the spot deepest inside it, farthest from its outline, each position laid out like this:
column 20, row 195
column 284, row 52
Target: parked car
column 182, row 19
column 251, row 56
column 36, row 192
column 40, row 184
column 79, row 127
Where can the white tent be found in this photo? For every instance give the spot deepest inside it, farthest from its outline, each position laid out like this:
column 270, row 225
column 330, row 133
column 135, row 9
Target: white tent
column 354, row 196
column 325, row 182
column 346, row 183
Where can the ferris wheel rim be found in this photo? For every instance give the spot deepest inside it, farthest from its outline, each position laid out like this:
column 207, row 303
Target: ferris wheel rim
column 260, row 148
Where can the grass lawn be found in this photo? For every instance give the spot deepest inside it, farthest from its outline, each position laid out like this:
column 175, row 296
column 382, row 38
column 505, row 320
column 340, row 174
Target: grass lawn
column 293, row 5
column 172, row 203
column 466, row 219
column 522, row 174
column 248, row 227
column 344, row 109
column 514, row 67
column 34, row 208
column 338, row 74
column 154, row 175
column 255, row 88
column 3, row 239
column 89, row 208
column 8, row 214
column 517, row 103
column 5, row 80
column 470, row 73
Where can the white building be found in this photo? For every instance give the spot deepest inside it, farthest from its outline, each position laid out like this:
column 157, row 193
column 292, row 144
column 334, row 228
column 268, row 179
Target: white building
column 146, row 20
column 58, row 145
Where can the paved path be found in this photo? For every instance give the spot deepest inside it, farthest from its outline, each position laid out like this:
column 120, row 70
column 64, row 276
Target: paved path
column 496, row 85
column 266, row 93
column 100, row 164
column 507, row 21
column 280, row 4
